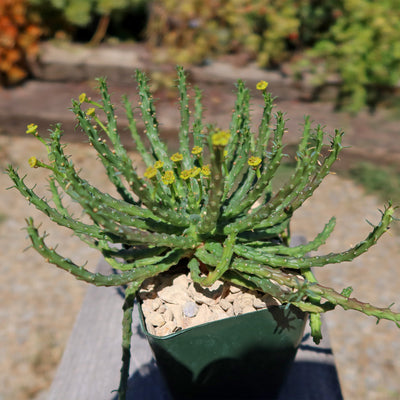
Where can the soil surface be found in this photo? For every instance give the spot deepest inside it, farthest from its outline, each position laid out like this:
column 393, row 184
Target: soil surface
column 172, row 302
column 39, row 303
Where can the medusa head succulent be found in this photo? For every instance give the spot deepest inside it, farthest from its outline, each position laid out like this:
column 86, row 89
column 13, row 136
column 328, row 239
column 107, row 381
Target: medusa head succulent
column 210, row 205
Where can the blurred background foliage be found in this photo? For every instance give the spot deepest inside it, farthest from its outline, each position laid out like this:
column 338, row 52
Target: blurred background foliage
column 19, row 35
column 354, row 44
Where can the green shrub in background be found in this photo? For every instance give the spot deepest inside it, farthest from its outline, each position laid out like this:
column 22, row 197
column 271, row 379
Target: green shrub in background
column 193, row 31
column 267, row 31
column 363, row 48
column 357, row 41
column 74, row 14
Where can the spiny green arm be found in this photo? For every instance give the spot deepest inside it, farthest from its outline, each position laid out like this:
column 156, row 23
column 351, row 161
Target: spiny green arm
column 264, row 129
column 107, row 213
column 57, row 198
column 320, row 261
column 159, row 148
column 314, row 289
column 315, row 171
column 138, row 274
column 259, row 235
column 60, row 218
column 252, row 220
column 223, row 264
column 80, row 190
column 251, row 281
column 241, row 142
column 241, row 201
column 211, row 210
column 297, row 251
column 315, row 175
column 151, row 124
column 128, row 266
column 185, row 116
column 307, row 177
column 140, row 147
column 264, row 285
column 88, row 196
column 233, row 204
column 112, row 131
column 136, row 253
column 130, row 235
column 315, row 317
column 127, row 308
column 210, row 253
column 120, row 159
column 239, row 121
column 110, row 161
column 239, row 165
column 197, row 127
column 307, row 168
column 351, row 303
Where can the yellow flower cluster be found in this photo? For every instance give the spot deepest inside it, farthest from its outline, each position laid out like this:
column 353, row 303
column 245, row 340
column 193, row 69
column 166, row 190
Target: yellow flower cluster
column 31, row 129
column 91, row 112
column 176, row 157
column 254, row 161
column 220, row 138
column 168, row 178
column 190, row 173
column 150, row 172
column 33, row 162
column 185, row 174
column 205, row 170
column 82, row 98
column 262, row 85
column 197, row 150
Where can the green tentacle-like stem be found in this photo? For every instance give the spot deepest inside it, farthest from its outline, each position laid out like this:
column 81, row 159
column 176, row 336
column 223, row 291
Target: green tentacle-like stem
column 137, row 274
column 211, row 210
column 314, row 289
column 127, row 308
column 319, row 261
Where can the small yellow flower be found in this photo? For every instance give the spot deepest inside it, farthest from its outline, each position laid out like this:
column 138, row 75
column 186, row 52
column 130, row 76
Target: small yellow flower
column 197, row 150
column 254, row 161
column 168, row 178
column 185, row 174
column 82, row 98
column 221, row 138
column 31, row 129
column 91, row 112
column 158, row 164
column 176, row 157
column 150, row 172
column 33, row 162
column 194, row 172
column 262, row 85
column 205, row 170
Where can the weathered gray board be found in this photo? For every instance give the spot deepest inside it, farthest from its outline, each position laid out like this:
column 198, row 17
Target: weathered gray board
column 89, row 369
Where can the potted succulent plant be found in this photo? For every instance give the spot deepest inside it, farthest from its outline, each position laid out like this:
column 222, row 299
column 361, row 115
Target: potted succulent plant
column 208, row 211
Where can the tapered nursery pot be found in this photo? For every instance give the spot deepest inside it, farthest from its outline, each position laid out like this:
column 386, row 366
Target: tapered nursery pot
column 242, row 357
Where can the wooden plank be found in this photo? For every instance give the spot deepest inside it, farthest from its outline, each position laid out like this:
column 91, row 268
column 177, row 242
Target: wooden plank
column 89, row 369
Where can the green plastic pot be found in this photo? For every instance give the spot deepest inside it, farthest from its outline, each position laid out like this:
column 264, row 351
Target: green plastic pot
column 242, row 357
